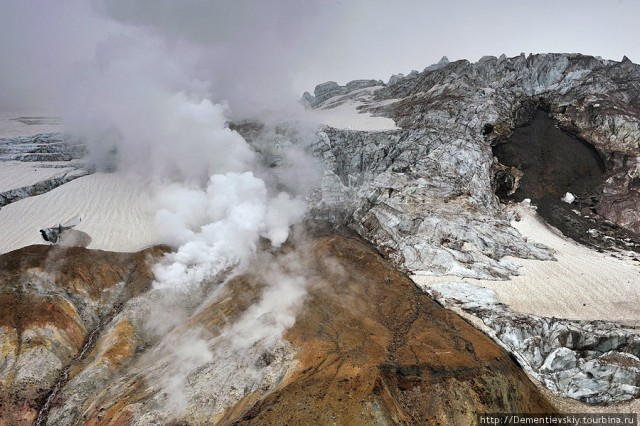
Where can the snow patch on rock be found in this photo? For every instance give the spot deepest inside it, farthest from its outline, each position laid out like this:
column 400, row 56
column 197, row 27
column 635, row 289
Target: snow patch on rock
column 568, row 198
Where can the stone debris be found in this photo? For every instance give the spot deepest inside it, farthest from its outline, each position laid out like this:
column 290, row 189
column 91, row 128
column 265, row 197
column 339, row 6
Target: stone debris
column 593, row 361
column 425, row 195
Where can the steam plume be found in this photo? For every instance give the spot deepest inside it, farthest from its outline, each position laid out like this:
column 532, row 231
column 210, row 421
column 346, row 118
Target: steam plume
column 154, row 103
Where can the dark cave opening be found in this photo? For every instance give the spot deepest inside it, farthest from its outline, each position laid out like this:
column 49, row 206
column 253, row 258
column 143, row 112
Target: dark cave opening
column 553, row 162
column 547, row 163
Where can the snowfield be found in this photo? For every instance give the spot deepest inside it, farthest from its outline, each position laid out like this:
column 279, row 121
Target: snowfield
column 341, row 112
column 16, row 174
column 347, row 116
column 115, row 210
column 582, row 284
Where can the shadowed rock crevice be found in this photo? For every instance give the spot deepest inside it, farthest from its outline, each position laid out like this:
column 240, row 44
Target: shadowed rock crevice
column 552, row 162
column 541, row 162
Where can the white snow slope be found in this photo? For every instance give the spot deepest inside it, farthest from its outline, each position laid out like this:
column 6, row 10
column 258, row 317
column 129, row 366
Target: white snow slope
column 17, row 174
column 581, row 284
column 341, row 112
column 114, row 207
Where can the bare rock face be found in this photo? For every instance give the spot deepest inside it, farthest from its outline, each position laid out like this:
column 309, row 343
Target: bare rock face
column 365, row 346
column 425, row 195
column 331, row 89
column 51, row 300
column 621, row 194
column 41, row 147
column 425, row 201
column 595, row 99
column 596, row 362
column 328, row 90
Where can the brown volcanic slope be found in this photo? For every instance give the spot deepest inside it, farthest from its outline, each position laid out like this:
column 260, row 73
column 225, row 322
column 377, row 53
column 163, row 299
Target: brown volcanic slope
column 51, row 298
column 375, row 350
column 372, row 349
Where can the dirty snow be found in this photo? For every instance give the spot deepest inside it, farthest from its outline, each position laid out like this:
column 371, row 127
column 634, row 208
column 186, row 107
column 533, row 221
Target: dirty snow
column 582, row 284
column 16, row 174
column 114, row 206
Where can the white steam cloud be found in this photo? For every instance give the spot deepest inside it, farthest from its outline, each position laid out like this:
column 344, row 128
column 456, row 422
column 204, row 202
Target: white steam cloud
column 141, row 105
column 146, row 105
column 154, row 103
column 248, row 355
column 218, row 228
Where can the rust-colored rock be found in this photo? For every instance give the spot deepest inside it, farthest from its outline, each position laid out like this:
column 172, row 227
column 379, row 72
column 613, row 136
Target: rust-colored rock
column 369, row 347
column 375, row 350
column 51, row 298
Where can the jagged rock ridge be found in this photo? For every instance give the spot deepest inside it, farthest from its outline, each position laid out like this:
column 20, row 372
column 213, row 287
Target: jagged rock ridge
column 332, row 89
column 49, row 150
column 425, row 194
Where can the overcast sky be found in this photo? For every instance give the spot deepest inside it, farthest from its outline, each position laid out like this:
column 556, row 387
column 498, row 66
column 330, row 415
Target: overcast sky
column 280, row 48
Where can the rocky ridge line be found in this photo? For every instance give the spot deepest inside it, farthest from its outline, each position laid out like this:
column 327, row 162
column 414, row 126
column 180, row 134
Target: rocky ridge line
column 424, row 195
column 49, row 150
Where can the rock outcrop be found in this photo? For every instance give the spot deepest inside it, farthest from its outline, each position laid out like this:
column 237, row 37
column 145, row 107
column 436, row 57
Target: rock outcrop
column 595, row 99
column 593, row 361
column 332, row 89
column 366, row 347
column 425, row 194
column 51, row 300
column 41, row 147
column 425, row 201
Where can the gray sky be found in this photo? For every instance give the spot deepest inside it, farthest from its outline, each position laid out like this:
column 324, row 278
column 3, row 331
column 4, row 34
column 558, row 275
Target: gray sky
column 250, row 52
column 379, row 38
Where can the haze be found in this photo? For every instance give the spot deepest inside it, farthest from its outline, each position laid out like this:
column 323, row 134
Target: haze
column 259, row 55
